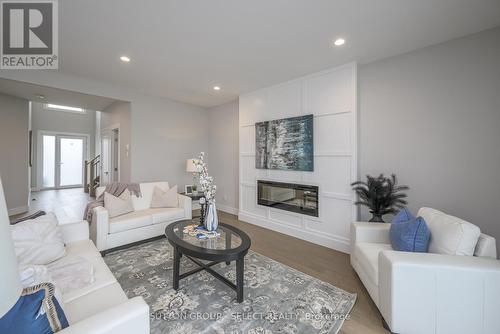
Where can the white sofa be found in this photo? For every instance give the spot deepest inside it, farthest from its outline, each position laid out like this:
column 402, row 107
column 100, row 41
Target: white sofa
column 101, row 307
column 429, row 293
column 144, row 223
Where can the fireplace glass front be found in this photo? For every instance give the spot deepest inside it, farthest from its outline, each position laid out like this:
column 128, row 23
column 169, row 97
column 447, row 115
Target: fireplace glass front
column 288, row 196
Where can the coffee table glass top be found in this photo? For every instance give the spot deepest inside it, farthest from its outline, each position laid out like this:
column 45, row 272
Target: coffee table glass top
column 227, row 240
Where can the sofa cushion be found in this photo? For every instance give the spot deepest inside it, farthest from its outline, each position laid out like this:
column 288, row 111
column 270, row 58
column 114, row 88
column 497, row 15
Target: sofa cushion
column 102, row 278
column 449, row 234
column 162, row 215
column 94, row 302
column 410, row 236
column 486, row 247
column 130, row 221
column 144, row 201
column 367, row 255
column 118, row 206
column 165, row 199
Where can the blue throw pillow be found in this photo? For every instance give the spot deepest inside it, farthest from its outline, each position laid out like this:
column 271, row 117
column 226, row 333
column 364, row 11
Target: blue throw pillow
column 25, row 316
column 410, row 236
column 403, row 216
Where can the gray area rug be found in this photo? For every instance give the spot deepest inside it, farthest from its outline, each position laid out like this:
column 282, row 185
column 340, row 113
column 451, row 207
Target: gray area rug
column 278, row 299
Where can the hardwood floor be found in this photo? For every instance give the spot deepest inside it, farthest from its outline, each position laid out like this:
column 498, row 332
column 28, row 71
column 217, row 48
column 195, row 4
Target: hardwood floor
column 67, row 204
column 323, row 263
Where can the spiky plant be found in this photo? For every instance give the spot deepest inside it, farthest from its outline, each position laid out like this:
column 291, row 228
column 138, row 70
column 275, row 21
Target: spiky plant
column 382, row 195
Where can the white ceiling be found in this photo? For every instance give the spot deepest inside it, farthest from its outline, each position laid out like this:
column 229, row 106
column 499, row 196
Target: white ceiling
column 30, row 91
column 181, row 48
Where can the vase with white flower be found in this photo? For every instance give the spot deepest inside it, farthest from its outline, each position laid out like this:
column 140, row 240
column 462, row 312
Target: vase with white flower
column 209, row 189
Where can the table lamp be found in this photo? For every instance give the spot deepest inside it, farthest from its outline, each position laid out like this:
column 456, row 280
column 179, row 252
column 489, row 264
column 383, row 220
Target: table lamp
column 10, row 289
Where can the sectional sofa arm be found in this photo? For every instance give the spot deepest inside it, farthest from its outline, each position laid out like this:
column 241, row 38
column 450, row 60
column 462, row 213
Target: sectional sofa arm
column 131, row 317
column 370, row 232
column 421, row 292
column 75, row 231
column 99, row 227
column 185, row 202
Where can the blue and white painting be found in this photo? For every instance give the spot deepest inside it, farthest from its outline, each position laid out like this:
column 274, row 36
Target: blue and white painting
column 285, row 144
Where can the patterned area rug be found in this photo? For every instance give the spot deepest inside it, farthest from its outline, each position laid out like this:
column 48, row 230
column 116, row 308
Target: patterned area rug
column 278, row 299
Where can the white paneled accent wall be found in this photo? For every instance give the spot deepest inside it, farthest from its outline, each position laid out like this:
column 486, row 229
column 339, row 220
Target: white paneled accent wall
column 331, row 97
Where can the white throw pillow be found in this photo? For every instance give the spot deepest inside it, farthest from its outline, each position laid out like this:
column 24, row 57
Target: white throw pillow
column 449, row 234
column 38, row 241
column 118, row 206
column 165, row 199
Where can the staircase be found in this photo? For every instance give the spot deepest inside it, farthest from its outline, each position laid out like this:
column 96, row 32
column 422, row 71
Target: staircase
column 92, row 175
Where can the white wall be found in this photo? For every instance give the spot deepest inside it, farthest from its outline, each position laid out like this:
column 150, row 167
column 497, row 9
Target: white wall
column 223, row 154
column 14, row 122
column 118, row 114
column 331, row 97
column 59, row 121
column 432, row 116
column 164, row 133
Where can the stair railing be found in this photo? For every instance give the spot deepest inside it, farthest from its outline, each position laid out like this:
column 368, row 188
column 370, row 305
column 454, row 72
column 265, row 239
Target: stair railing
column 92, row 175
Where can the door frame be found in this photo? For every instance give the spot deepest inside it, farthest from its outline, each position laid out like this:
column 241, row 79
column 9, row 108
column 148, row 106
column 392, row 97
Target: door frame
column 39, row 155
column 105, row 131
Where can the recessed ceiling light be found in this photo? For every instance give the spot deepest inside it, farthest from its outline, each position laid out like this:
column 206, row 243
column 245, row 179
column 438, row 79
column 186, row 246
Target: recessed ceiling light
column 339, row 42
column 40, row 96
column 216, row 88
column 125, row 59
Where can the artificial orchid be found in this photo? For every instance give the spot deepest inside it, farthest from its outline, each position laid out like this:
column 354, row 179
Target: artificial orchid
column 207, row 185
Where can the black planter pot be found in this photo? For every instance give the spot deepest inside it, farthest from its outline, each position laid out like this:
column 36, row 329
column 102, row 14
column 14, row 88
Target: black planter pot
column 376, row 218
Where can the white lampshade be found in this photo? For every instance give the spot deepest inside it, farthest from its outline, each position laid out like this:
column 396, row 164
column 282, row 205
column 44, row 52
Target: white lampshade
column 10, row 287
column 190, row 166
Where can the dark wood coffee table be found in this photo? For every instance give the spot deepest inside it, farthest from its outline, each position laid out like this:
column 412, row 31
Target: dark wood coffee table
column 231, row 245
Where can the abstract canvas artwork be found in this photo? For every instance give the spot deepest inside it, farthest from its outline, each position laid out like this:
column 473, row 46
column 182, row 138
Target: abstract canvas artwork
column 285, row 144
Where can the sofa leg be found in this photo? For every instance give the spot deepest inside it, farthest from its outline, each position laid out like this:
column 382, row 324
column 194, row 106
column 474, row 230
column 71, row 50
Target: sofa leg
column 386, row 326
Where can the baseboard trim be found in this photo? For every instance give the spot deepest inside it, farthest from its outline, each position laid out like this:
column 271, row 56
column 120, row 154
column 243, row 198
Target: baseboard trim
column 227, row 208
column 18, row 210
column 338, row 244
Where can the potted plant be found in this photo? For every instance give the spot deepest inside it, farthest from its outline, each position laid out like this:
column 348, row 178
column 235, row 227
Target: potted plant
column 381, row 195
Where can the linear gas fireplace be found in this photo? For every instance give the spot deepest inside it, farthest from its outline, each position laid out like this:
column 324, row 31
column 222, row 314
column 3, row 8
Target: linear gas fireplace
column 288, row 196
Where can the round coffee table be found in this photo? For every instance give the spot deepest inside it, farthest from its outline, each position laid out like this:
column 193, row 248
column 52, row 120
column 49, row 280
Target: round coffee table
column 231, row 245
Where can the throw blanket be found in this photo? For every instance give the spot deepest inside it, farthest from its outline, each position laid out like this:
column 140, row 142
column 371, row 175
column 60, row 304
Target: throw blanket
column 115, row 189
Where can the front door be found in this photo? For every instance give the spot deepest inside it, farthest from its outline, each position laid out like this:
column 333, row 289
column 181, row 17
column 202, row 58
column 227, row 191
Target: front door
column 63, row 159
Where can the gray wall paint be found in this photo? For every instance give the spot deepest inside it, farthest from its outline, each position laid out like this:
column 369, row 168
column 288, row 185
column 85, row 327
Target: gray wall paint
column 164, row 135
column 118, row 113
column 223, row 152
column 14, row 116
column 59, row 121
column 433, row 117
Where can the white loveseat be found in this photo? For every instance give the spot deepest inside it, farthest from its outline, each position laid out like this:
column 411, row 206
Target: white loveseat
column 426, row 293
column 144, row 223
column 101, row 307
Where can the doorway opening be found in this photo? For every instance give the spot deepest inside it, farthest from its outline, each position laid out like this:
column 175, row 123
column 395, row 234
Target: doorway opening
column 110, row 155
column 62, row 159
